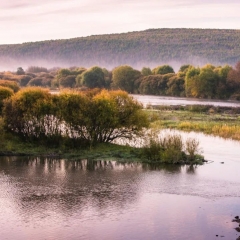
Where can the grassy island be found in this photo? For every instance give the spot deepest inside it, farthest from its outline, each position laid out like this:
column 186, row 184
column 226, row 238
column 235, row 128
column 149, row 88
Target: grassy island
column 83, row 125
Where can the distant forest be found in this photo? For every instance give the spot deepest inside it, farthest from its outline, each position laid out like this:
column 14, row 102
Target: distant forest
column 150, row 47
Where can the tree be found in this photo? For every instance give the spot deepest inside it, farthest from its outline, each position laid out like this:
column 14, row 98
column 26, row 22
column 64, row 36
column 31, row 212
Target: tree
column 10, row 84
column 64, row 72
column 192, row 82
column 25, row 113
column 114, row 114
column 201, row 83
column 208, row 82
column 20, row 71
column 68, row 77
column 222, row 90
column 37, row 82
column 93, row 78
column 68, row 81
column 146, row 71
column 184, row 68
column 72, row 109
column 24, row 80
column 123, row 78
column 155, row 84
column 175, row 86
column 107, row 77
column 233, row 78
column 164, row 69
column 5, row 93
column 100, row 116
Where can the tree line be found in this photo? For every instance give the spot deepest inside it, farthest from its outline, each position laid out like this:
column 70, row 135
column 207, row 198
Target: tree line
column 209, row 81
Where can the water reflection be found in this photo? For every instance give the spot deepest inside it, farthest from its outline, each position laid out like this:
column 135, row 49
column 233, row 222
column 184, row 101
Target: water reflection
column 121, row 200
column 40, row 182
column 68, row 184
column 60, row 167
column 170, row 168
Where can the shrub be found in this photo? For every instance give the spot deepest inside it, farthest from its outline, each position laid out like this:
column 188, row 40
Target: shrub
column 5, row 93
column 23, row 81
column 10, row 84
column 92, row 117
column 192, row 148
column 170, row 149
column 173, row 147
column 37, row 81
column 152, row 147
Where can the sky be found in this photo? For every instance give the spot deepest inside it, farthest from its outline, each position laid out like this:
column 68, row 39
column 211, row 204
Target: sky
column 37, row 20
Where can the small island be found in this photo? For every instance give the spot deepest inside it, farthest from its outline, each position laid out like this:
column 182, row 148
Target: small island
column 86, row 124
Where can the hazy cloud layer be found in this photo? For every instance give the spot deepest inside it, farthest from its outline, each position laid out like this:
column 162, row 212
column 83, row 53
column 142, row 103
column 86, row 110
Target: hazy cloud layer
column 34, row 20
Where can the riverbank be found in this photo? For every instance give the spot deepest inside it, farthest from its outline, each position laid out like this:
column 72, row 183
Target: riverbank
column 156, row 152
column 13, row 146
column 222, row 122
column 103, row 151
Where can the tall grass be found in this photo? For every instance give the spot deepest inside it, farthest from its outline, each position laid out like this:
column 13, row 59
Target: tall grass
column 221, row 130
column 223, row 125
column 170, row 149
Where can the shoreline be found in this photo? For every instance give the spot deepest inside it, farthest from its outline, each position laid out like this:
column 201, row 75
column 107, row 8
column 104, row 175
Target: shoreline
column 110, row 152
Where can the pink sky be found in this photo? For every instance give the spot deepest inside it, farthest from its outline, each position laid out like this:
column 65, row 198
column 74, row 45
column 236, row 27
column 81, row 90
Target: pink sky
column 36, row 20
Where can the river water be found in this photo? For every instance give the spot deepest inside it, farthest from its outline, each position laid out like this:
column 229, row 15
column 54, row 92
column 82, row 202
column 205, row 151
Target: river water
column 43, row 198
column 164, row 100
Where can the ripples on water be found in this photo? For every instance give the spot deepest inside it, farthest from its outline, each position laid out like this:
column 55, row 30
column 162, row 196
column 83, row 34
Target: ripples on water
column 60, row 199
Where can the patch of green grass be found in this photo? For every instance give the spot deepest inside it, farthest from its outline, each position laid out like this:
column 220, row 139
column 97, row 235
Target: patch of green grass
column 13, row 145
column 225, row 125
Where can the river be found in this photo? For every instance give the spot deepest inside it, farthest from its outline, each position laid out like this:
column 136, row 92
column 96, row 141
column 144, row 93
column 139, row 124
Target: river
column 167, row 100
column 43, row 198
column 164, row 100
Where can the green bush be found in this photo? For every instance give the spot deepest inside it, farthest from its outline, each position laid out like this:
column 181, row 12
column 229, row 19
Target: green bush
column 5, row 93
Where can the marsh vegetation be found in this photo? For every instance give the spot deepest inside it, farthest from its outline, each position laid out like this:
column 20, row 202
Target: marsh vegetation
column 171, row 148
column 75, row 121
column 93, row 110
column 219, row 121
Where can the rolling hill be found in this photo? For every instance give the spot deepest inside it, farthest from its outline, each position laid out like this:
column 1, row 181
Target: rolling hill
column 143, row 48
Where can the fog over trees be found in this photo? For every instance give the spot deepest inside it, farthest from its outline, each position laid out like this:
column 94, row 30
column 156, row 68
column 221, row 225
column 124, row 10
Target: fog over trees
column 141, row 48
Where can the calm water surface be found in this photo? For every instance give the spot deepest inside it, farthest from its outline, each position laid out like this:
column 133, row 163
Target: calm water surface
column 164, row 100
column 44, row 198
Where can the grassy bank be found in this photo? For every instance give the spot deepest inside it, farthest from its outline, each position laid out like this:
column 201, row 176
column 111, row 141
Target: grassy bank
column 168, row 150
column 224, row 124
column 12, row 145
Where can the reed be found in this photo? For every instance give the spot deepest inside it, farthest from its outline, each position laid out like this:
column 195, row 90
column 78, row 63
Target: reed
column 170, row 149
column 226, row 125
column 222, row 130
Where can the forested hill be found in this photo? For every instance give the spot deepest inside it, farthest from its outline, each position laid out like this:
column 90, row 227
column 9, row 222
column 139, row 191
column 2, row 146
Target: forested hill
column 144, row 48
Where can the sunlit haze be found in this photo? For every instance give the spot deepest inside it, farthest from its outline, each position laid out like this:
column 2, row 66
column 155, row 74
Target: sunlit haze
column 34, row 20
